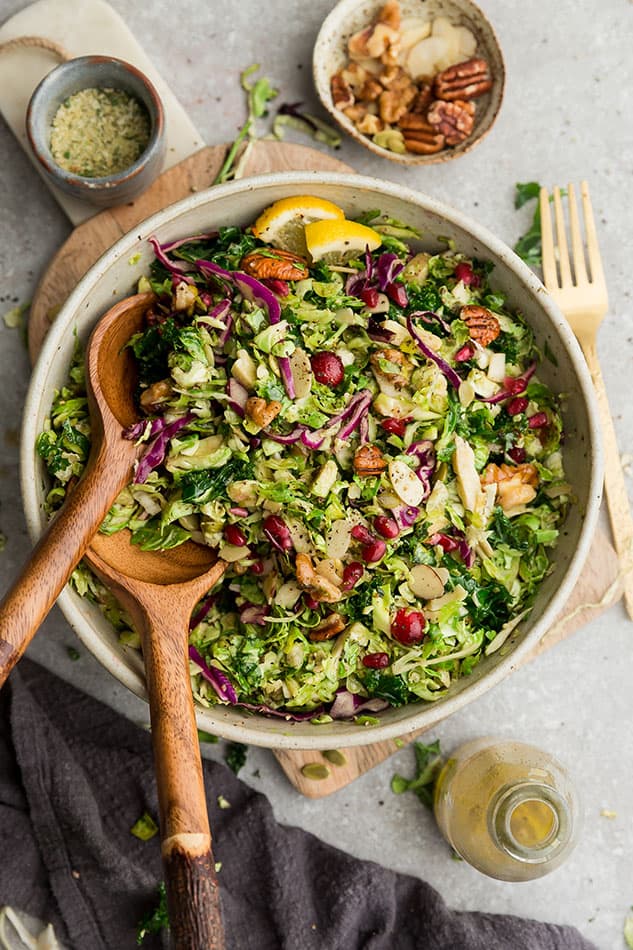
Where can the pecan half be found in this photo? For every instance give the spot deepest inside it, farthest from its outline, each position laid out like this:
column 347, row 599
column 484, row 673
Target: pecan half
column 329, row 627
column 282, row 265
column 423, row 99
column 368, row 460
column 342, row 95
column 420, row 136
column 261, row 412
column 319, row 587
column 466, row 80
column 482, row 324
column 454, row 120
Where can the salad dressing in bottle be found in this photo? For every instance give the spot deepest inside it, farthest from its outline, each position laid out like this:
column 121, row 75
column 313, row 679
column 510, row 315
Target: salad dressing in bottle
column 507, row 808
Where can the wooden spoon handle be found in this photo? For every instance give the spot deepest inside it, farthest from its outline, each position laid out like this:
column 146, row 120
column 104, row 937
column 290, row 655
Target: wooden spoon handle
column 57, row 553
column 192, row 889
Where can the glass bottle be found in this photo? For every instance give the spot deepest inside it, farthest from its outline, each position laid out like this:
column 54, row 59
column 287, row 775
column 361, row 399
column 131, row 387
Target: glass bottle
column 507, row 808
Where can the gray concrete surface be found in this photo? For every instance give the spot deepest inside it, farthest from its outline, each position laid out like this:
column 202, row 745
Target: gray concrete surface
column 566, row 116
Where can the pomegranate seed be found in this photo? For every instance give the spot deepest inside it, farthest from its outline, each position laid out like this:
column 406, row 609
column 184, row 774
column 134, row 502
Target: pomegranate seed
column 538, row 420
column 517, row 454
column 395, row 426
column 376, row 661
column 352, row 573
column 360, row 533
column 257, row 567
column 407, row 627
column 279, row 287
column 514, row 385
column 445, row 542
column 327, row 368
column 373, row 550
column 465, row 273
column 235, row 535
column 398, row 294
column 517, row 405
column 310, row 602
column 277, row 532
column 386, row 527
column 369, row 297
column 465, row 353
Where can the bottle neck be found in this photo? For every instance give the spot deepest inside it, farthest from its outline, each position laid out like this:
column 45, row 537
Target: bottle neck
column 530, row 821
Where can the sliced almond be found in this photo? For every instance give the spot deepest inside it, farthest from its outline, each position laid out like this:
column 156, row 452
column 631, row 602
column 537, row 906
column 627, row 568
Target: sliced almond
column 468, row 483
column 406, row 483
column 338, row 538
column 288, row 595
column 467, row 42
column 424, row 56
column 233, row 552
column 301, row 372
column 425, row 582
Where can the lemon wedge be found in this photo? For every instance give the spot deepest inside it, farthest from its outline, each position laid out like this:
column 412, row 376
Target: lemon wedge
column 282, row 223
column 337, row 241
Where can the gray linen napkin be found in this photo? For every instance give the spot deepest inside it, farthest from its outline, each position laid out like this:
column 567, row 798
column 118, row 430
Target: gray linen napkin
column 75, row 776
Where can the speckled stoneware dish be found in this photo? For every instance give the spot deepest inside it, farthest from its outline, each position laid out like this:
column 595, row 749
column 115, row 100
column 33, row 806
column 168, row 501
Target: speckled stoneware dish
column 114, row 276
column 96, row 72
column 350, row 16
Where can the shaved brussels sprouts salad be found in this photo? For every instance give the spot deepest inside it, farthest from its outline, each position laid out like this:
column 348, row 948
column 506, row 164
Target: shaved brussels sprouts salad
column 365, row 441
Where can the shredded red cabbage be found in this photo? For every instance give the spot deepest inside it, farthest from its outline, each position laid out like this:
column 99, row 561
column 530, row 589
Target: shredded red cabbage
column 361, row 402
column 176, row 268
column 172, row 245
column 157, row 450
column 250, row 613
column 238, row 396
column 450, row 373
column 348, row 704
column 425, row 452
column 405, row 516
column 376, row 331
column 430, row 316
column 288, row 439
column 202, row 611
column 281, row 713
column 513, row 386
column 220, row 682
column 388, row 266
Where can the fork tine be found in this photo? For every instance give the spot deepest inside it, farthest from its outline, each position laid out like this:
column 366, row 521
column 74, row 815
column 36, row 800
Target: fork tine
column 561, row 240
column 547, row 240
column 577, row 247
column 593, row 249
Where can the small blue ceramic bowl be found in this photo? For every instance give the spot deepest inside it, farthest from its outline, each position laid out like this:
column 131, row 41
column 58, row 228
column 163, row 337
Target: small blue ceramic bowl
column 101, row 72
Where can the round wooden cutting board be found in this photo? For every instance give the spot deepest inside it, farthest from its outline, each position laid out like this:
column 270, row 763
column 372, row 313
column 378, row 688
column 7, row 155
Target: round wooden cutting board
column 91, row 238
column 86, row 244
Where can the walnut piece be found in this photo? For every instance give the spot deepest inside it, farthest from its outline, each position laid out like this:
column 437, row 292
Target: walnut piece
column 342, row 95
column 397, row 377
column 466, row 80
column 516, row 484
column 356, row 112
column 155, row 395
column 329, row 627
column 454, row 120
column 282, row 265
column 370, row 125
column 261, row 412
column 368, row 460
column 390, row 14
column 482, row 324
column 393, row 104
column 370, row 90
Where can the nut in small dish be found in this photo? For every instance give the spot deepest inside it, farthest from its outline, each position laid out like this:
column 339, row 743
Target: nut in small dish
column 413, row 83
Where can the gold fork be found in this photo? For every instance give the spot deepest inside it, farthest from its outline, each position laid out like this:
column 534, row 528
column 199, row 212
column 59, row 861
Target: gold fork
column 584, row 301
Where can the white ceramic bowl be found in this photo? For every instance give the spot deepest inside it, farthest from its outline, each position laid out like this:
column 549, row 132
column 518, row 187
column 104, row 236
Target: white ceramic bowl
column 113, row 278
column 350, row 16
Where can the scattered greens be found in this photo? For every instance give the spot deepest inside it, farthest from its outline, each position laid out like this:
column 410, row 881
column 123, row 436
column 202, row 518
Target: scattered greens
column 206, row 736
column 628, row 929
column 290, row 115
column 259, row 93
column 235, row 756
column 14, row 318
column 529, row 246
column 73, row 653
column 428, row 763
column 155, row 920
column 145, row 828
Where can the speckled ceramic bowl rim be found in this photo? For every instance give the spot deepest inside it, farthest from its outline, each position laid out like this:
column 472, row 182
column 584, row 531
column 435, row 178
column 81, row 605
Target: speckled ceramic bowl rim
column 324, row 736
column 408, row 158
column 38, row 103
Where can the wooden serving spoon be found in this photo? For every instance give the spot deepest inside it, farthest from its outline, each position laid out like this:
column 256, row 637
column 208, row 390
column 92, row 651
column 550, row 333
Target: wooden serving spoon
column 159, row 589
column 109, row 372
